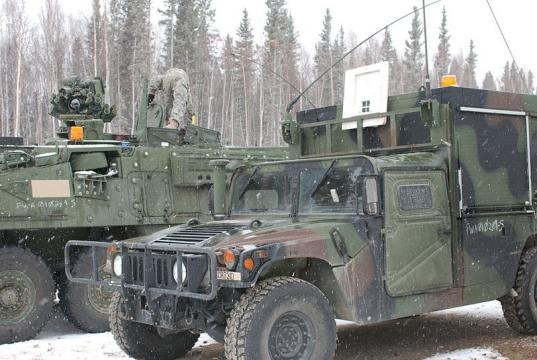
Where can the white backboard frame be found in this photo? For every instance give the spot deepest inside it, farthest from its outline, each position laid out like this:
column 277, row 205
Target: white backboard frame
column 366, row 91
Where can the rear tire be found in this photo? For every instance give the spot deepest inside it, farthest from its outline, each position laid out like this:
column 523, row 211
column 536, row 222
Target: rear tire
column 520, row 311
column 281, row 318
column 142, row 341
column 26, row 294
column 86, row 306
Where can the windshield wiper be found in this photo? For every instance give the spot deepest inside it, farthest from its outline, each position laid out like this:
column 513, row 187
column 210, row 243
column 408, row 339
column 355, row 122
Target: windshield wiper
column 324, row 177
column 250, row 179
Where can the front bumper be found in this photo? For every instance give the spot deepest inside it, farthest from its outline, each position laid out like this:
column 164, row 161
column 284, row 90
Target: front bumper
column 148, row 268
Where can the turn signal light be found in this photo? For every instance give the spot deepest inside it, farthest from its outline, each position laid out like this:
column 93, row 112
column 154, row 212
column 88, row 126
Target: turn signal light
column 248, row 264
column 76, row 133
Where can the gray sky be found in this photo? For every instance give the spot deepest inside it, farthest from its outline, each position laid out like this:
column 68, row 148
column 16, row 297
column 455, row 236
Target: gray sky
column 467, row 19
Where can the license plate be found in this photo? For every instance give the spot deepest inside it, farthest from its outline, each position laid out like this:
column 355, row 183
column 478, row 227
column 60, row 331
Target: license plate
column 228, row 275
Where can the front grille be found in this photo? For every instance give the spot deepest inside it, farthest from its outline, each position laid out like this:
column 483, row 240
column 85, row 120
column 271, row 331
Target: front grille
column 161, row 271
column 196, row 234
column 136, row 266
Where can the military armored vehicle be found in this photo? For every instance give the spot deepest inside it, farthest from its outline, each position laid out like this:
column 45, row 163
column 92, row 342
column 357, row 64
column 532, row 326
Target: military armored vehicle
column 429, row 209
column 90, row 184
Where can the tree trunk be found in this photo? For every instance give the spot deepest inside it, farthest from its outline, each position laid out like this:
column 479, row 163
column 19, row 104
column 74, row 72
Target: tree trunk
column 245, row 99
column 223, row 116
column 18, row 91
column 261, row 110
column 133, row 90
column 209, row 113
column 108, row 126
column 94, row 46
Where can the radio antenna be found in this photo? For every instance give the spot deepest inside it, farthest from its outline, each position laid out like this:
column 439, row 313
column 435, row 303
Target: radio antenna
column 294, row 101
column 427, row 78
column 279, row 76
column 505, row 40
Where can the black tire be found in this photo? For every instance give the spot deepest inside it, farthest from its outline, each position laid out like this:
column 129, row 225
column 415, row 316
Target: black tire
column 26, row 294
column 520, row 311
column 86, row 306
column 142, row 341
column 281, row 318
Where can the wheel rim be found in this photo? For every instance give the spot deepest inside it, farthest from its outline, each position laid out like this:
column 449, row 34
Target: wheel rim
column 17, row 297
column 100, row 298
column 292, row 337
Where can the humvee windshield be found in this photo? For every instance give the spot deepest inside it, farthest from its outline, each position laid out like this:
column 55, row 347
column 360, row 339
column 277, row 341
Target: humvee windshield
column 315, row 187
column 263, row 190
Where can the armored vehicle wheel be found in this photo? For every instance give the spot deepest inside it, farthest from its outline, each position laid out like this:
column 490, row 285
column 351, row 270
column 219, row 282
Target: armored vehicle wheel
column 26, row 294
column 281, row 318
column 520, row 311
column 143, row 341
column 86, row 306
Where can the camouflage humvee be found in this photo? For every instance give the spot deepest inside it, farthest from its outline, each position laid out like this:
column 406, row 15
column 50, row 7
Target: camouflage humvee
column 432, row 210
column 90, row 184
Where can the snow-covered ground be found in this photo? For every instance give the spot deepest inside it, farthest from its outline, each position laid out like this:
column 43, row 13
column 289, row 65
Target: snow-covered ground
column 60, row 340
column 491, row 310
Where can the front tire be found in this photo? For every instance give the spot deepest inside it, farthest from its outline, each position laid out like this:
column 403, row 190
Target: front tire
column 86, row 306
column 142, row 341
column 26, row 294
column 281, row 318
column 520, row 311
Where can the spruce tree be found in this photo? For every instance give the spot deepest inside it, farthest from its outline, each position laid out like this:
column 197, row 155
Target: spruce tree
column 323, row 59
column 413, row 59
column 280, row 56
column 95, row 39
column 516, row 78
column 530, row 86
column 244, row 49
column 228, row 125
column 339, row 69
column 488, row 82
column 506, row 83
column 168, row 21
column 470, row 64
column 456, row 66
column 186, row 26
column 442, row 57
column 134, row 61
column 388, row 53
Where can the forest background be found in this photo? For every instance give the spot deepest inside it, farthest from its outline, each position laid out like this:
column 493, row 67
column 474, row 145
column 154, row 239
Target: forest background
column 240, row 86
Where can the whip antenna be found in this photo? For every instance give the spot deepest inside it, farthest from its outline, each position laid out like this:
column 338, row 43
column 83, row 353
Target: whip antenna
column 427, row 78
column 294, row 101
column 505, row 41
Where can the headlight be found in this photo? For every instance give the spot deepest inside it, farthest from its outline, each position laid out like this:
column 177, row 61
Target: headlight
column 176, row 272
column 117, row 266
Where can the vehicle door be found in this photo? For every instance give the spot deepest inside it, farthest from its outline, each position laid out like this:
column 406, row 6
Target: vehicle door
column 417, row 232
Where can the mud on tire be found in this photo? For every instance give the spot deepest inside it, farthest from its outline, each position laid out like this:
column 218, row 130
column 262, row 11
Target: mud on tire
column 281, row 318
column 26, row 294
column 86, row 306
column 142, row 341
column 520, row 311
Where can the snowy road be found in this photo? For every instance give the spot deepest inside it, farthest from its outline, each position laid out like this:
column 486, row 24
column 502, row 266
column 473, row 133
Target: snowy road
column 473, row 332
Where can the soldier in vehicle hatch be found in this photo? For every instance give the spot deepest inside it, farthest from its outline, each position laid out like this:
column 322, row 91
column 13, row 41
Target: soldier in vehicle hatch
column 175, row 86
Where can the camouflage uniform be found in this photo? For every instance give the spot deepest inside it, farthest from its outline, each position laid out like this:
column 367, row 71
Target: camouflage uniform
column 175, row 85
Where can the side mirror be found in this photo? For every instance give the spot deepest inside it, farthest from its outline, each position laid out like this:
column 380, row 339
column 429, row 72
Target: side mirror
column 370, row 196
